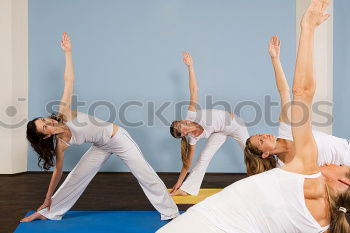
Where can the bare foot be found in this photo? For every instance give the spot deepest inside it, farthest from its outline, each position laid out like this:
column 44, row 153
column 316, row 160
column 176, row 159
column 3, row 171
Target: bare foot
column 35, row 216
column 179, row 192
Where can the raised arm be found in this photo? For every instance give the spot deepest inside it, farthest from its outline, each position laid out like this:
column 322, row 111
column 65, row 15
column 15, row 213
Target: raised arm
column 280, row 78
column 192, row 82
column 66, row 99
column 304, row 88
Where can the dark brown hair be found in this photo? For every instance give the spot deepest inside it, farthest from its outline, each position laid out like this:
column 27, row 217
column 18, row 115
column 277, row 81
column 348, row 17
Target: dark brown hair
column 45, row 148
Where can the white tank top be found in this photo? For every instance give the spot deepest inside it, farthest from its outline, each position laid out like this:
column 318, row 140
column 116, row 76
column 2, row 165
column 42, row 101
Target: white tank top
column 214, row 121
column 331, row 149
column 269, row 202
column 86, row 128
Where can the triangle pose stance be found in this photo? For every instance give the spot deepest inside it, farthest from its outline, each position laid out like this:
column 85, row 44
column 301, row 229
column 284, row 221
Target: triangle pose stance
column 264, row 152
column 51, row 136
column 295, row 197
column 214, row 124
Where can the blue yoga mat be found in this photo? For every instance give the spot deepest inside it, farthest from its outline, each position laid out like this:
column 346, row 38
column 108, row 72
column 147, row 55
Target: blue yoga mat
column 97, row 221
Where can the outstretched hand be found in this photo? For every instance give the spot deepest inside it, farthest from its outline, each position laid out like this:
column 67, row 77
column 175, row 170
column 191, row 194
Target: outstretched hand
column 46, row 204
column 175, row 187
column 66, row 44
column 315, row 14
column 274, row 47
column 187, row 59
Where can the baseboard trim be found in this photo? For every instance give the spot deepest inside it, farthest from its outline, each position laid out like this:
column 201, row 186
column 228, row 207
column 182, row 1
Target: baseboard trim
column 113, row 173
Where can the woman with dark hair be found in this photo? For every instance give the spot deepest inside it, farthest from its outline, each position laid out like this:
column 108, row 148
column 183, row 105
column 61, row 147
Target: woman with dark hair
column 293, row 198
column 51, row 136
column 264, row 152
column 214, row 124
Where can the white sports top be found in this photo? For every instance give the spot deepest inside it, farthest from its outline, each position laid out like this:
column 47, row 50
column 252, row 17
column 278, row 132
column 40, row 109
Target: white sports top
column 86, row 128
column 331, row 149
column 269, row 202
column 214, row 121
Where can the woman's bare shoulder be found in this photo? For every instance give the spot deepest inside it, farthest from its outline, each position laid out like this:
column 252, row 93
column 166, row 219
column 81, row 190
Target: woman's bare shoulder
column 68, row 115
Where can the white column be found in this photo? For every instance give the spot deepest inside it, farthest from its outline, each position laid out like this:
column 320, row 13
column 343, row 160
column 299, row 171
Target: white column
column 14, row 85
column 323, row 64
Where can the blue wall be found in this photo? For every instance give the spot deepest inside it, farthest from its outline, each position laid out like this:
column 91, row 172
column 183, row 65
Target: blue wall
column 341, row 83
column 131, row 50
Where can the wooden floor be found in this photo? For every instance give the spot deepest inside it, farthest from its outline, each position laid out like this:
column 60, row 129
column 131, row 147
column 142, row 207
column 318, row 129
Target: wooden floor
column 108, row 191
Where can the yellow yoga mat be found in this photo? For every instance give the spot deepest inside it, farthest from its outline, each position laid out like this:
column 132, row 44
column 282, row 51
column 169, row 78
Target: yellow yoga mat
column 203, row 194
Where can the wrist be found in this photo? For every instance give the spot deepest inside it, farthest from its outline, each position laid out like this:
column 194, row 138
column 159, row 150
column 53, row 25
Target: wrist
column 190, row 67
column 307, row 29
column 68, row 52
column 48, row 197
column 275, row 58
column 180, row 180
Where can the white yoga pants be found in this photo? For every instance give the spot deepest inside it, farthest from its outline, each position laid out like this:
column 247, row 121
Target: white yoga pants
column 190, row 222
column 193, row 182
column 123, row 145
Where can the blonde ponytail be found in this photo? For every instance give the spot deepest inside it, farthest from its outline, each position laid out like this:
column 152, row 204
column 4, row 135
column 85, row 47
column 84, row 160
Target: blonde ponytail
column 339, row 207
column 184, row 152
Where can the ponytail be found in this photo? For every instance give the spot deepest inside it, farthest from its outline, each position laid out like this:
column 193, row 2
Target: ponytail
column 339, row 208
column 184, row 144
column 254, row 162
column 184, row 153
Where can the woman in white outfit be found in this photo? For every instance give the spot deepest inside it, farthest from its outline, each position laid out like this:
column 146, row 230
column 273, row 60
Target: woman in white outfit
column 264, row 152
column 50, row 137
column 294, row 198
column 213, row 124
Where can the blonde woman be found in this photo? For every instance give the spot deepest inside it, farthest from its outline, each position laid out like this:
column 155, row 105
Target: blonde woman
column 264, row 152
column 293, row 198
column 213, row 124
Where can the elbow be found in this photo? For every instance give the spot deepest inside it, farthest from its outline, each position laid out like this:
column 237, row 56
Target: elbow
column 58, row 170
column 304, row 90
